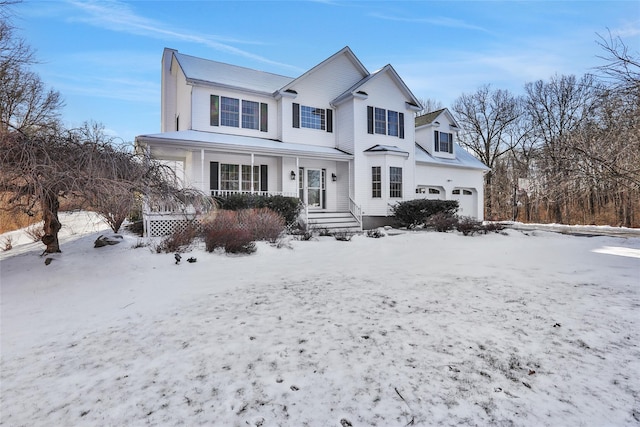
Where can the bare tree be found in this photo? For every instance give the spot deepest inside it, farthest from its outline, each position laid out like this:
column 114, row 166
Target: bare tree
column 621, row 68
column 25, row 103
column 556, row 109
column 429, row 105
column 488, row 119
column 39, row 170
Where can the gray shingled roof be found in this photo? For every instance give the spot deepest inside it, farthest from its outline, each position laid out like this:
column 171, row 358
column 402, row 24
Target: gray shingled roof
column 219, row 73
column 428, row 118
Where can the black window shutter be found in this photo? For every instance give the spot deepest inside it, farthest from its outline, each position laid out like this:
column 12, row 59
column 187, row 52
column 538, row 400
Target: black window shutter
column 329, row 120
column 215, row 110
column 263, row 178
column 436, row 141
column 401, row 120
column 296, row 115
column 451, row 143
column 213, row 176
column 264, row 117
column 369, row 119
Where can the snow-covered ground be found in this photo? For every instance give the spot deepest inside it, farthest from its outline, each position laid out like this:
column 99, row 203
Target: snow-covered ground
column 526, row 328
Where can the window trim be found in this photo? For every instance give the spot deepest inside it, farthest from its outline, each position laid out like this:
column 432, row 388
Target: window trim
column 395, row 184
column 260, row 178
column 437, row 142
column 215, row 113
column 376, row 182
column 375, row 124
column 250, row 114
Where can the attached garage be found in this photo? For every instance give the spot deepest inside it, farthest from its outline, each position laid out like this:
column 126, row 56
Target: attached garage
column 467, row 201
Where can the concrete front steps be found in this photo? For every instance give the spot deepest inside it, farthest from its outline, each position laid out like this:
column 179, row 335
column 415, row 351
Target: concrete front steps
column 333, row 221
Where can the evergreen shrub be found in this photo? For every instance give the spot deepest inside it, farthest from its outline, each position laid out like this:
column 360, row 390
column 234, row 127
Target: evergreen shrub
column 287, row 207
column 415, row 212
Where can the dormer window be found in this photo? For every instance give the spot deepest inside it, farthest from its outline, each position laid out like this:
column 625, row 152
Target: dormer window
column 443, row 142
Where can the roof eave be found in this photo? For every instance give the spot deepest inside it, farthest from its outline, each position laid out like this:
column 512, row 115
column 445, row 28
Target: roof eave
column 221, row 146
column 206, row 83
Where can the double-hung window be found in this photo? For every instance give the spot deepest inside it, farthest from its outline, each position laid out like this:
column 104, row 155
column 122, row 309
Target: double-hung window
column 248, row 177
column 229, row 177
column 238, row 177
column 385, row 122
column 234, row 112
column 308, row 117
column 229, row 112
column 392, row 123
column 443, row 142
column 376, row 182
column 395, row 182
column 312, row 117
column 380, row 121
column 250, row 114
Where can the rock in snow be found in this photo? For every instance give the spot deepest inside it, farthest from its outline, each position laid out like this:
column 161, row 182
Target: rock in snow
column 103, row 240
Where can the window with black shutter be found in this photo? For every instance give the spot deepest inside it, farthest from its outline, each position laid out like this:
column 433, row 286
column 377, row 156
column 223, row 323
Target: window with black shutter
column 296, row 115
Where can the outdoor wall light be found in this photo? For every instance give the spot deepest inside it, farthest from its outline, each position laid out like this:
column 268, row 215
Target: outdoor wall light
column 293, row 175
column 334, row 178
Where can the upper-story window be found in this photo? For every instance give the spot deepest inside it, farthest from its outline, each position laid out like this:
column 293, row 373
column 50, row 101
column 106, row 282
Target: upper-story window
column 225, row 111
column 392, row 123
column 312, row 117
column 385, row 122
column 380, row 121
column 250, row 114
column 229, row 112
column 443, row 142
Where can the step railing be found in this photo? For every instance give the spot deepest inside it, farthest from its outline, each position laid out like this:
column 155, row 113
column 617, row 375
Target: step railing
column 356, row 211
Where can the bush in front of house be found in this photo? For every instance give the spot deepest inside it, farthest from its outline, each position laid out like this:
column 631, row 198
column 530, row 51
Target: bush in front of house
column 468, row 226
column 224, row 230
column 287, row 207
column 237, row 231
column 442, row 221
column 263, row 223
column 412, row 213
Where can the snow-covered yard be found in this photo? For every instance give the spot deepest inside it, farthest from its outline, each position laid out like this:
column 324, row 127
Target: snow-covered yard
column 420, row 328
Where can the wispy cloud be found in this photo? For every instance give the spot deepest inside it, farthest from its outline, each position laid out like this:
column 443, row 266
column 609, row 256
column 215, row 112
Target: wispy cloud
column 119, row 17
column 628, row 30
column 440, row 21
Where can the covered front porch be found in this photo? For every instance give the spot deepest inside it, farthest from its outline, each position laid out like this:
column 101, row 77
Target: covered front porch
column 220, row 165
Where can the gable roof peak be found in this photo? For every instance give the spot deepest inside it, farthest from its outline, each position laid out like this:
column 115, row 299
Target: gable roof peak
column 429, row 118
column 345, row 51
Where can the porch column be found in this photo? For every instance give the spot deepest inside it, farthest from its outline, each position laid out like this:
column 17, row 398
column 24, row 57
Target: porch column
column 297, row 185
column 252, row 160
column 204, row 190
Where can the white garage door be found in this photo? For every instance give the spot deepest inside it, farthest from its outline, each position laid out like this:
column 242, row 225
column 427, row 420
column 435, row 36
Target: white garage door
column 467, row 200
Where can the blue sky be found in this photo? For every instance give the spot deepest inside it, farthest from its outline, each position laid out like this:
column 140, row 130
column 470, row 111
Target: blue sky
column 104, row 57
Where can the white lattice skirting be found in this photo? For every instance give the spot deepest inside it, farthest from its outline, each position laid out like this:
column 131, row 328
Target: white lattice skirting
column 165, row 226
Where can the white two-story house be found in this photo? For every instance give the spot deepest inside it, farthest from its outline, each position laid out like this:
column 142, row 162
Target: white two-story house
column 343, row 140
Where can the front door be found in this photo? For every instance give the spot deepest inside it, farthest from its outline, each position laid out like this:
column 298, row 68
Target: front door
column 314, row 188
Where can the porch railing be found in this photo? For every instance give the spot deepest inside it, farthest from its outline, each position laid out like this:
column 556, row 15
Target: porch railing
column 355, row 210
column 224, row 193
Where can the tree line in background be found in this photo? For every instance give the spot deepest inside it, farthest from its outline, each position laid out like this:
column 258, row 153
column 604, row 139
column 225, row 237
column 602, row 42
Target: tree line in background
column 567, row 151
column 43, row 164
